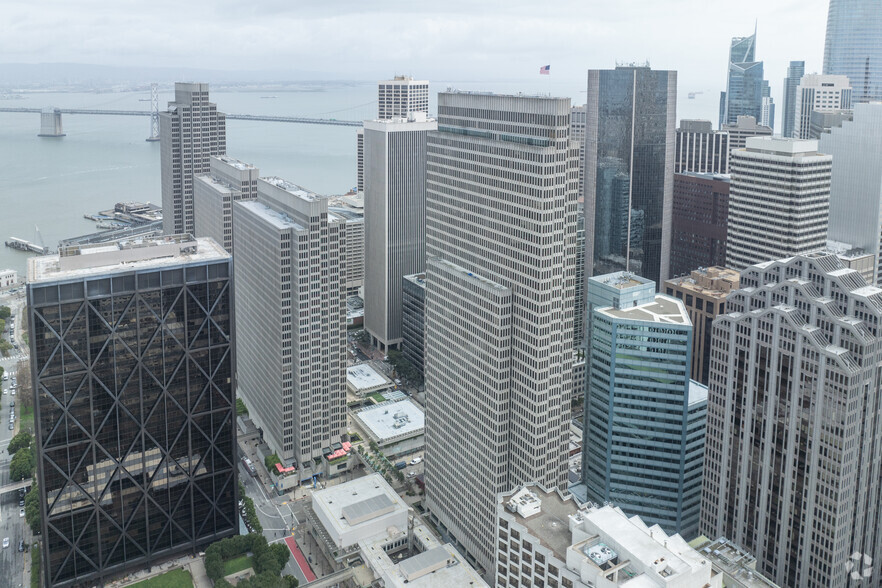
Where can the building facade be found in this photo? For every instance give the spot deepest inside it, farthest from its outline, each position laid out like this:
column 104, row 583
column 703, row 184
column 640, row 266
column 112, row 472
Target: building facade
column 291, row 271
column 792, row 460
column 190, row 132
column 744, row 128
column 644, row 418
column 228, row 180
column 629, row 162
column 852, row 46
column 701, row 149
column 497, row 299
column 745, row 86
column 401, row 96
column 795, row 71
column 703, row 292
column 819, row 93
column 355, row 254
column 856, row 190
column 395, row 219
column 413, row 318
column 700, row 221
column 779, row 200
column 133, row 359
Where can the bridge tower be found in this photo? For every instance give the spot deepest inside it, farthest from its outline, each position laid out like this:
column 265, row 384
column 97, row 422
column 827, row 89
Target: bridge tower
column 50, row 123
column 154, row 113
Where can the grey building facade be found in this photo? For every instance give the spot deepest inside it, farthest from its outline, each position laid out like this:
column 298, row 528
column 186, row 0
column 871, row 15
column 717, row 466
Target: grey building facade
column 700, row 149
column 413, row 319
column 629, row 170
column 795, row 71
column 228, row 180
column 133, row 358
column 744, row 128
column 852, row 46
column 499, row 305
column 190, row 132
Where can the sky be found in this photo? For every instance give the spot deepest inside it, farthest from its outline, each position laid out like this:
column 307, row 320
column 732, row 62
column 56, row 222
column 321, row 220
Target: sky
column 469, row 40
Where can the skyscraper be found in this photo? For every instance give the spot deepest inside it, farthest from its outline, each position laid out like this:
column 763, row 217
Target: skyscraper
column 228, row 180
column 190, row 132
column 413, row 319
column 744, row 128
column 629, row 163
column 395, row 219
column 291, row 318
column 745, row 86
column 701, row 149
column 856, row 189
column 499, row 305
column 401, row 96
column 133, row 363
column 792, row 462
column 643, row 440
column 819, row 93
column 852, row 49
column 794, row 73
column 700, row 222
column 779, row 200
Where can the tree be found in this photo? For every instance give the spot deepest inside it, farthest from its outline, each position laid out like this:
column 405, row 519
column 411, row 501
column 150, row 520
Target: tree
column 32, row 509
column 281, row 553
column 241, row 409
column 270, row 461
column 5, row 346
column 20, row 441
column 23, row 379
column 5, row 312
column 22, row 464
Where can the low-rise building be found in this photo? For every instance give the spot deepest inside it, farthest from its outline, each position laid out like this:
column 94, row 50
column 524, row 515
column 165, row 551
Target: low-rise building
column 8, row 278
column 362, row 380
column 396, row 427
column 737, row 566
column 548, row 539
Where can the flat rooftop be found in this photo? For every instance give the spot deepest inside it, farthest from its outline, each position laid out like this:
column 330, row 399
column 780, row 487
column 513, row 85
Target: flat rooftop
column 125, row 255
column 363, row 376
column 551, row 525
column 291, row 188
column 279, row 220
column 697, row 392
column 663, row 309
column 418, row 279
column 392, row 419
column 358, row 499
column 621, row 280
column 735, row 562
column 236, row 163
column 216, row 184
column 348, row 214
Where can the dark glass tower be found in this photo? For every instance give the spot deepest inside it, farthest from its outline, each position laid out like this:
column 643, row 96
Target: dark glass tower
column 629, row 164
column 133, row 358
column 853, row 47
column 745, row 86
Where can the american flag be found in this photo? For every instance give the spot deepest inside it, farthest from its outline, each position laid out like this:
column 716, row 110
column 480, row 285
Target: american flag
column 544, row 70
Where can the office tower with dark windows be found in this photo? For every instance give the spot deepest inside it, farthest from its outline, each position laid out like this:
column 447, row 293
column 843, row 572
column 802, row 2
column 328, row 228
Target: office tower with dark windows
column 291, row 318
column 228, row 180
column 779, row 200
column 856, row 190
column 703, row 292
column 792, row 461
column 190, row 132
column 413, row 318
column 701, row 149
column 852, row 47
column 629, row 164
column 794, row 74
column 819, row 93
column 395, row 219
column 744, row 128
column 745, row 86
column 643, row 440
column 700, row 221
column 133, row 361
column 499, row 305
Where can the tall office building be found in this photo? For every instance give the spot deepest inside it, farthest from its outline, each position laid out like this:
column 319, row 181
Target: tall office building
column 413, row 319
column 395, row 219
column 767, row 116
column 794, row 74
column 823, row 122
column 700, row 222
column 499, row 305
column 291, row 317
column 354, row 237
column 643, row 442
column 856, row 190
column 132, row 363
column 852, row 49
column 701, row 149
column 745, row 86
column 779, row 200
column 228, row 180
column 792, row 460
column 744, row 128
column 359, row 146
column 401, row 96
column 190, row 132
column 819, row 93
column 629, row 164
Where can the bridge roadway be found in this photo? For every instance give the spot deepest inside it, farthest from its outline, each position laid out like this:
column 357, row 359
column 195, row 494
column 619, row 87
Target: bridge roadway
column 257, row 117
column 13, row 486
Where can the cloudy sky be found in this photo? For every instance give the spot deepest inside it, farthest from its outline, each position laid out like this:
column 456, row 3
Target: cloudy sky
column 443, row 39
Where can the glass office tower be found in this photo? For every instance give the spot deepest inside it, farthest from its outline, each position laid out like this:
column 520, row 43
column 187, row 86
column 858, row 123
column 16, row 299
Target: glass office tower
column 854, row 46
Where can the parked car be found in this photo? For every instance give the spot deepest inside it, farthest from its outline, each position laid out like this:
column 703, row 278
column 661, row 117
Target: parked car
column 12, row 404
column 11, row 426
column 5, row 542
column 21, row 545
column 20, row 513
column 400, row 465
column 416, row 460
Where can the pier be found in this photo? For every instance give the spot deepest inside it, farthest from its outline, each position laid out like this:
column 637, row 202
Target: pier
column 22, row 245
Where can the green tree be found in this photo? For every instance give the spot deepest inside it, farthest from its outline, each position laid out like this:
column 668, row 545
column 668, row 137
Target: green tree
column 5, row 312
column 32, row 510
column 214, row 565
column 270, row 461
column 20, row 441
column 5, row 346
column 281, row 553
column 22, row 464
column 241, row 409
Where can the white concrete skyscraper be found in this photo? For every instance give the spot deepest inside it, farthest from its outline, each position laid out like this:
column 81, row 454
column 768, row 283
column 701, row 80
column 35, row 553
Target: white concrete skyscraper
column 853, row 47
column 229, row 180
column 779, row 200
column 818, row 93
column 500, row 281
column 395, row 219
column 400, row 96
column 190, row 132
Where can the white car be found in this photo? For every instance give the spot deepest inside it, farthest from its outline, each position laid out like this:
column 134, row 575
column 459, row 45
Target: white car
column 416, row 460
column 20, row 512
column 5, row 542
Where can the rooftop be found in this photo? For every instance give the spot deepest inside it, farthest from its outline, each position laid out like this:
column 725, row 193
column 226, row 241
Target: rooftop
column 782, row 146
column 363, row 376
column 697, row 392
column 737, row 564
column 216, row 184
column 357, row 502
column 547, row 519
column 663, row 309
column 348, row 214
column 291, row 188
column 236, row 163
column 392, row 419
column 280, row 220
column 418, row 279
column 709, row 282
column 621, row 280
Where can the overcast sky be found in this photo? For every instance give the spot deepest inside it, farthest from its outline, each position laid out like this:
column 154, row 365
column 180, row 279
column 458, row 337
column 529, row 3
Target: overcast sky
column 442, row 40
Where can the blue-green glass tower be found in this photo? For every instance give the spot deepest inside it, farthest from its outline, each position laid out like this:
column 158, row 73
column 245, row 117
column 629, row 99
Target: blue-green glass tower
column 745, row 86
column 854, row 46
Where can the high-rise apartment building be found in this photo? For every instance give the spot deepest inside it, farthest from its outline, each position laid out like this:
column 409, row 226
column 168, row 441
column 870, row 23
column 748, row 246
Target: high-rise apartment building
column 704, row 293
column 291, row 317
column 132, row 362
column 744, row 128
column 852, row 48
column 700, row 222
column 395, row 219
column 413, row 319
column 792, row 460
column 794, row 73
column 499, row 305
column 401, row 96
column 643, row 442
column 779, row 200
column 701, row 149
column 819, row 93
column 745, row 86
column 629, row 163
column 190, row 132
column 856, row 190
column 228, row 180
